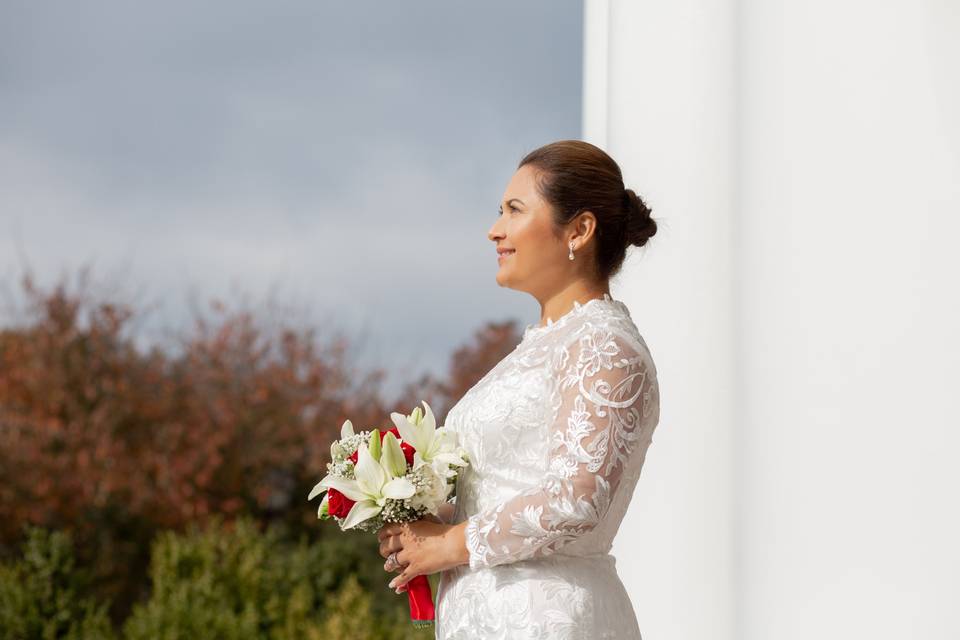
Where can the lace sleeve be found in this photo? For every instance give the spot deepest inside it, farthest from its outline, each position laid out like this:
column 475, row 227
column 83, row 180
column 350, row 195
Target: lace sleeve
column 602, row 392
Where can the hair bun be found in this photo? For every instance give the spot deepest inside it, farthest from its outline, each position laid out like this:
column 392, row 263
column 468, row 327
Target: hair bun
column 640, row 226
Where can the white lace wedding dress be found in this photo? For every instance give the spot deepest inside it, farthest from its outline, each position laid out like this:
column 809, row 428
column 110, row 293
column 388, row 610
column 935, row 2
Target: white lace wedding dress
column 557, row 433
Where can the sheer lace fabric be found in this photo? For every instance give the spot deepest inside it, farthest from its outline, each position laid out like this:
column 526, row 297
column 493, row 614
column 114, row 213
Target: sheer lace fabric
column 557, row 433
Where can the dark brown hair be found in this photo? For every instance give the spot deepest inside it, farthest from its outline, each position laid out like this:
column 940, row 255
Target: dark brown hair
column 575, row 176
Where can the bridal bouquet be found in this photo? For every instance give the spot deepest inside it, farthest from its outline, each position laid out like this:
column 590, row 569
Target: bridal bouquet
column 398, row 475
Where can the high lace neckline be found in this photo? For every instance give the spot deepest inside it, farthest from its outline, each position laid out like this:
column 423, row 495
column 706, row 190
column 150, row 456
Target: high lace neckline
column 536, row 329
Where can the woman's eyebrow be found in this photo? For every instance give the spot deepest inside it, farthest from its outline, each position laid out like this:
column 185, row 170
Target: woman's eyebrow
column 515, row 199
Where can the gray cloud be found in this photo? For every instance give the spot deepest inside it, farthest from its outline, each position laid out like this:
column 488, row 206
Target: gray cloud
column 352, row 153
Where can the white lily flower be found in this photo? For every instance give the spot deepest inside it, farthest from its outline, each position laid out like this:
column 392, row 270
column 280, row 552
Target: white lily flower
column 433, row 492
column 346, row 429
column 374, row 483
column 436, row 446
column 337, row 452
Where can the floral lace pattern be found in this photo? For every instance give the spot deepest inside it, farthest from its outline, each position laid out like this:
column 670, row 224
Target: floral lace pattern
column 557, row 433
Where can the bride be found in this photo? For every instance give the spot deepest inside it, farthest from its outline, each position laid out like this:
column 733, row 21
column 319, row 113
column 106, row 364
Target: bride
column 557, row 431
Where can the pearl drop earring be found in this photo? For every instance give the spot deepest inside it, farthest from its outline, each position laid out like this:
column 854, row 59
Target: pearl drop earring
column 571, row 250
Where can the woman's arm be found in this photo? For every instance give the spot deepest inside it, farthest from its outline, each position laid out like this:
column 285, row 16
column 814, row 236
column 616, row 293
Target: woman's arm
column 602, row 396
column 606, row 391
column 456, row 545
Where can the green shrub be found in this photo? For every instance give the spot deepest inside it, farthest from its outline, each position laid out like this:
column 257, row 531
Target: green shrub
column 236, row 583
column 41, row 594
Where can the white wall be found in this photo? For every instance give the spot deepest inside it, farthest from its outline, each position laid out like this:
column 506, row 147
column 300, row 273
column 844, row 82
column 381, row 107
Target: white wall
column 802, row 304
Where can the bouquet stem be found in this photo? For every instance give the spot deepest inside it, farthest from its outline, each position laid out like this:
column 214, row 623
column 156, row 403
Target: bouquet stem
column 421, row 601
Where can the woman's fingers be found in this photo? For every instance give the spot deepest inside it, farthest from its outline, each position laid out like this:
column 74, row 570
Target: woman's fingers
column 406, row 574
column 390, row 529
column 390, row 549
column 393, row 562
column 390, row 542
column 399, row 588
column 400, row 580
column 389, row 566
column 390, row 545
column 397, row 581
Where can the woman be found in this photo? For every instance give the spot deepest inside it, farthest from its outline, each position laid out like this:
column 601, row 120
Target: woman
column 557, row 431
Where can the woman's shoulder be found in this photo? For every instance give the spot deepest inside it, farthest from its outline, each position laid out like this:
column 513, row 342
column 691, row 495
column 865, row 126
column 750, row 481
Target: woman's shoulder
column 597, row 330
column 608, row 327
column 604, row 357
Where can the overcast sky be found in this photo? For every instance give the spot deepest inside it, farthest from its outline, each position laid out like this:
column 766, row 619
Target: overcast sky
column 348, row 155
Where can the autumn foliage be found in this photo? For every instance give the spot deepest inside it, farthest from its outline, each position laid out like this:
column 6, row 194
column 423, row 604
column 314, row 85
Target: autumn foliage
column 91, row 427
column 115, row 442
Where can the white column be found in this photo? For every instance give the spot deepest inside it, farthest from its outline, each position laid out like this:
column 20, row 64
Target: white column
column 667, row 117
column 802, row 301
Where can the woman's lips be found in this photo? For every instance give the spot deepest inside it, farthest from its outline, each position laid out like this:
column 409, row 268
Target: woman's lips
column 502, row 256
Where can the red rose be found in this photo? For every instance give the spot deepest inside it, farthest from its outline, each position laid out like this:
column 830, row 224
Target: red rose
column 407, row 449
column 338, row 504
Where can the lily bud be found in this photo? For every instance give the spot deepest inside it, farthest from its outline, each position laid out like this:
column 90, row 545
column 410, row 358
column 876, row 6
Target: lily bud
column 393, row 460
column 416, row 417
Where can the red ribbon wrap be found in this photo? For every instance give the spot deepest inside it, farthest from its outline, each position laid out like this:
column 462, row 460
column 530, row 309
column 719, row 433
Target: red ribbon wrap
column 421, row 601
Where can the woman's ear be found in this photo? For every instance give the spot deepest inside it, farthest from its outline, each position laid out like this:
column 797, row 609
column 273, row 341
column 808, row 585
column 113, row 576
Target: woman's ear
column 584, row 226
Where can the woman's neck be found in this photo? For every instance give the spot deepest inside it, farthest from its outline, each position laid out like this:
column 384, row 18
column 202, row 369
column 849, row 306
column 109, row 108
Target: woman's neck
column 562, row 301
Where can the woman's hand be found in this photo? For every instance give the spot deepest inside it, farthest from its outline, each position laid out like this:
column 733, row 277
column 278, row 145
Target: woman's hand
column 391, row 543
column 423, row 547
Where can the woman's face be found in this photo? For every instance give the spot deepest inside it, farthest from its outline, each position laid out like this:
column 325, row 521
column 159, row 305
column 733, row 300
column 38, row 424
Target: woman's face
column 538, row 259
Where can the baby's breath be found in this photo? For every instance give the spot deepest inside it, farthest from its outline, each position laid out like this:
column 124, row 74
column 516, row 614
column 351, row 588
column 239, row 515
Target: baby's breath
column 400, row 511
column 350, row 444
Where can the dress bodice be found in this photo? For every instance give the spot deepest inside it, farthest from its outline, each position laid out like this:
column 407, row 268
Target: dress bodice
column 557, row 433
